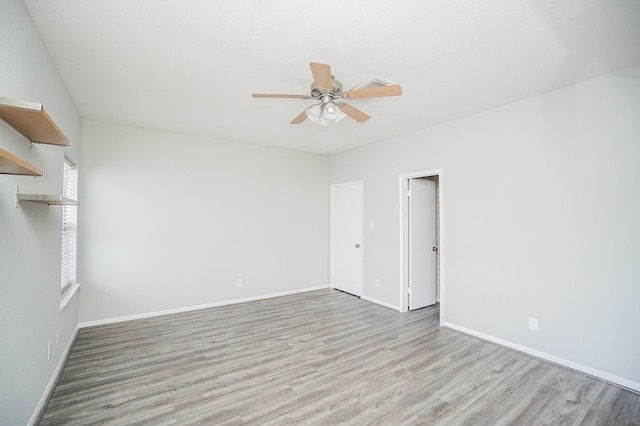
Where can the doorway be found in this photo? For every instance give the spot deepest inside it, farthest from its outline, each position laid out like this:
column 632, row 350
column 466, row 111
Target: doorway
column 346, row 259
column 421, row 254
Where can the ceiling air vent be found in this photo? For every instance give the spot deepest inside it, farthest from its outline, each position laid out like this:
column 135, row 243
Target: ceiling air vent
column 374, row 81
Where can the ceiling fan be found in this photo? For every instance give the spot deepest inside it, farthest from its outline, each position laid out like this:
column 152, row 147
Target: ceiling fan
column 332, row 108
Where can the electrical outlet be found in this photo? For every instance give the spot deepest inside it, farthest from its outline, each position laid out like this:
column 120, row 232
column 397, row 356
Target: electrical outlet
column 239, row 282
column 49, row 350
column 533, row 324
column 377, row 282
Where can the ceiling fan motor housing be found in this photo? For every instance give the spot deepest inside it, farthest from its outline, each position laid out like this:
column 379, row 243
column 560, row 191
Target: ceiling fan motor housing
column 335, row 92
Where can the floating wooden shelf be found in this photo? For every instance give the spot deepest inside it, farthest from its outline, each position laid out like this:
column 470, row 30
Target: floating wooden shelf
column 12, row 165
column 30, row 119
column 50, row 200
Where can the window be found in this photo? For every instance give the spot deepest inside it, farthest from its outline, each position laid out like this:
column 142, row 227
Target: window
column 69, row 221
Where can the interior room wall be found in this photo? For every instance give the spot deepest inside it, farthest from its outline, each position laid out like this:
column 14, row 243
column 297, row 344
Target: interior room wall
column 30, row 235
column 541, row 206
column 172, row 221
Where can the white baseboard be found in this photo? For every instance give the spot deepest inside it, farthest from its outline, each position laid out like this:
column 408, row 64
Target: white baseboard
column 195, row 308
column 52, row 382
column 380, row 302
column 616, row 380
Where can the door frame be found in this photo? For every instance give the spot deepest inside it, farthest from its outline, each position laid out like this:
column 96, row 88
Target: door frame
column 361, row 231
column 404, row 236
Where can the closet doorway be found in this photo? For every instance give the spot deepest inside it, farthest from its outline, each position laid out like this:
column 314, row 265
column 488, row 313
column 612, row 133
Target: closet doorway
column 422, row 240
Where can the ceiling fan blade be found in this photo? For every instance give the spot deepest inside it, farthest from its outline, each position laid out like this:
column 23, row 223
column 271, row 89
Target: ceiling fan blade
column 321, row 75
column 354, row 112
column 299, row 118
column 279, row 96
column 374, row 92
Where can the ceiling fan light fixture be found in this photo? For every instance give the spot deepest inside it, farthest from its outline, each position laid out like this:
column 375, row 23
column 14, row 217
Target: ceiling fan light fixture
column 330, row 108
column 313, row 113
column 333, row 113
column 322, row 120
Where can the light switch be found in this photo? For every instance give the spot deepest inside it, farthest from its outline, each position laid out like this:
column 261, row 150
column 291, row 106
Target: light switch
column 371, row 224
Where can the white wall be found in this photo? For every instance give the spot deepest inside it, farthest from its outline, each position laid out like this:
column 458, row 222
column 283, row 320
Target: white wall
column 30, row 236
column 541, row 219
column 172, row 221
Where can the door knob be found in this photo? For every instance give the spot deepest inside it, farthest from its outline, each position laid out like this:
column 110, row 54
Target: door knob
column 357, row 245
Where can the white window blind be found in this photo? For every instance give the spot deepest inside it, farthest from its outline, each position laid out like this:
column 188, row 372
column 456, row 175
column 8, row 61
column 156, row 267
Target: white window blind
column 69, row 222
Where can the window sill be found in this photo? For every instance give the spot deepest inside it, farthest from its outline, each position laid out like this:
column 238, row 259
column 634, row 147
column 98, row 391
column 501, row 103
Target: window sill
column 68, row 294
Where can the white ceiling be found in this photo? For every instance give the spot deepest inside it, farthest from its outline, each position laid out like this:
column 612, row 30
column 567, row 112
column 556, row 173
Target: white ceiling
column 190, row 66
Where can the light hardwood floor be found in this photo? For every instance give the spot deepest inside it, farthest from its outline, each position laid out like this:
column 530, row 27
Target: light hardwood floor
column 318, row 358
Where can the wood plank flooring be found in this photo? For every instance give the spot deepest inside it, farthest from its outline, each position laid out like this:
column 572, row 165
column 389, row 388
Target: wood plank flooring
column 318, row 358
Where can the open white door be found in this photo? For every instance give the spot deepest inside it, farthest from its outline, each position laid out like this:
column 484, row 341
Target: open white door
column 346, row 237
column 422, row 241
